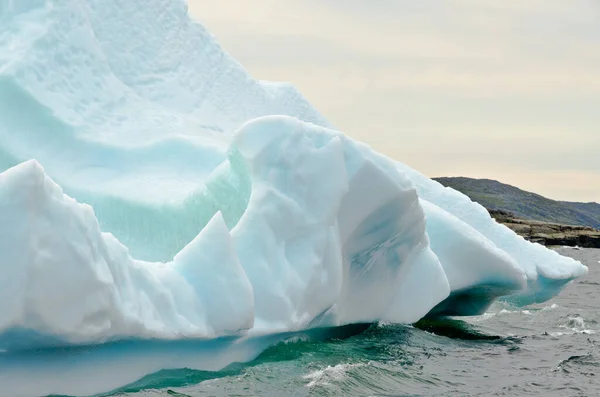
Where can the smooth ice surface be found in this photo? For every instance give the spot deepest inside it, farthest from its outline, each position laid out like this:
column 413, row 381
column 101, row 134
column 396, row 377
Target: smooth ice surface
column 303, row 249
column 460, row 245
column 64, row 277
column 315, row 242
column 537, row 262
column 472, row 264
column 150, row 188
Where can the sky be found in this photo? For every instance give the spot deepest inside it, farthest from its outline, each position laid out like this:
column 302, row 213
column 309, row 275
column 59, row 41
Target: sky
column 507, row 90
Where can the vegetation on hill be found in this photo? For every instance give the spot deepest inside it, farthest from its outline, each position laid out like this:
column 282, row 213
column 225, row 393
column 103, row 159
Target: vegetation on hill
column 496, row 196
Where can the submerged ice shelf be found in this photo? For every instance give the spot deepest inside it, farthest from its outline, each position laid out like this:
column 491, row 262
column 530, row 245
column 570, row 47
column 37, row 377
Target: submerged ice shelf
column 152, row 189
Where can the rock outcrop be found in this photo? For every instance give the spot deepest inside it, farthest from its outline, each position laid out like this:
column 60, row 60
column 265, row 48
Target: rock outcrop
column 549, row 234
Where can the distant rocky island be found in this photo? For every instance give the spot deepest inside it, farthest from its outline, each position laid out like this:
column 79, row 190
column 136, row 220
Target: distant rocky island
column 549, row 234
column 532, row 216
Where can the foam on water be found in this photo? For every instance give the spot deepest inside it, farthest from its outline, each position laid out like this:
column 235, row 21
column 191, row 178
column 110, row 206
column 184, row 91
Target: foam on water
column 325, row 376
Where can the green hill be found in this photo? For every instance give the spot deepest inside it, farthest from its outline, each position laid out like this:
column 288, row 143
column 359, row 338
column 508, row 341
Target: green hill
column 495, row 195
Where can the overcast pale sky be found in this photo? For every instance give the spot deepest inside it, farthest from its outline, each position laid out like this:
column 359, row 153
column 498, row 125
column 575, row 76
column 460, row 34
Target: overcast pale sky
column 508, row 90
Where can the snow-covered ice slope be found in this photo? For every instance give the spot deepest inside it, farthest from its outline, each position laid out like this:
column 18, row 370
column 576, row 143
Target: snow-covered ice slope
column 153, row 189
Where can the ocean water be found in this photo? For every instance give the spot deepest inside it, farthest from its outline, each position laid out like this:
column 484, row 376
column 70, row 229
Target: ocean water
column 552, row 349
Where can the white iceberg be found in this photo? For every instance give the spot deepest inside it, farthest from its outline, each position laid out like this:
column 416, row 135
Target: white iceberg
column 152, row 189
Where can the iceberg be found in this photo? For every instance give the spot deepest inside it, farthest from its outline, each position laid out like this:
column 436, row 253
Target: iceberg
column 151, row 189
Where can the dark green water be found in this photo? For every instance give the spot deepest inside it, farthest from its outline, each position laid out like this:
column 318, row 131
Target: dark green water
column 545, row 350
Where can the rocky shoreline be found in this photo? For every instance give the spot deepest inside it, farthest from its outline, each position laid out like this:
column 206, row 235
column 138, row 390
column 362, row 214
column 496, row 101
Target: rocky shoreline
column 549, row 234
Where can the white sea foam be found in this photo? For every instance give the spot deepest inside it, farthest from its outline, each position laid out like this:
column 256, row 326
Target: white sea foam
column 329, row 374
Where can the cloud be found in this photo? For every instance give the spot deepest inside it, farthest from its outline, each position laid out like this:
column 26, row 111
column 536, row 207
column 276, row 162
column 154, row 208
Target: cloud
column 435, row 83
column 474, row 48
